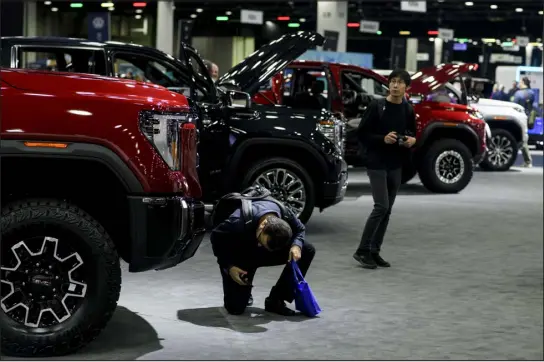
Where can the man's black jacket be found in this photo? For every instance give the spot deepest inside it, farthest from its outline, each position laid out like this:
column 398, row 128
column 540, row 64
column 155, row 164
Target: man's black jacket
column 234, row 245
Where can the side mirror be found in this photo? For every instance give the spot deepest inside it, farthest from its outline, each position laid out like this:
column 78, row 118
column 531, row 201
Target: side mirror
column 239, row 99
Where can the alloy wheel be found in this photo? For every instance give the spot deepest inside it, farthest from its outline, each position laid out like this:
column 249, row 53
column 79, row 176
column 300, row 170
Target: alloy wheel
column 286, row 187
column 42, row 282
column 500, row 151
column 449, row 167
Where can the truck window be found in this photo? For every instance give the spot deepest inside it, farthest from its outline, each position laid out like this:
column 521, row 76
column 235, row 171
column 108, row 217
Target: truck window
column 62, row 60
column 368, row 85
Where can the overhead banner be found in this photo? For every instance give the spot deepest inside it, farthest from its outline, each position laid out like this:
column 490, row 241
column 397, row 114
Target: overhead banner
column 368, row 26
column 332, row 24
column 415, row 6
column 251, row 17
column 99, row 25
column 445, row 34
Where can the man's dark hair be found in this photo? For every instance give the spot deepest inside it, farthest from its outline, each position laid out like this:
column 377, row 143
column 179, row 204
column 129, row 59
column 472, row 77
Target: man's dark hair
column 400, row 73
column 278, row 231
column 526, row 81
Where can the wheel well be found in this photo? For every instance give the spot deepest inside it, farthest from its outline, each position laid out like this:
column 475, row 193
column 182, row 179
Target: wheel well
column 298, row 154
column 451, row 133
column 88, row 184
column 510, row 126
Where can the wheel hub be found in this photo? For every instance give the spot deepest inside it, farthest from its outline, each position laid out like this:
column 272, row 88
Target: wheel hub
column 38, row 288
column 449, row 167
column 285, row 186
column 500, row 150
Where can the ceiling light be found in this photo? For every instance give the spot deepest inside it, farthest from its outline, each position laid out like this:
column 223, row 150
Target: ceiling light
column 379, row 32
column 432, row 32
column 199, row 10
column 107, row 5
column 54, row 9
column 354, row 25
column 404, row 32
column 431, row 39
column 47, row 2
column 76, row 5
column 283, row 18
column 193, row 16
column 493, row 7
column 475, row 43
column 440, row 1
column 228, row 13
column 138, row 16
column 469, row 3
column 519, row 10
column 139, row 11
column 139, row 5
column 111, row 9
column 222, row 18
column 302, row 20
column 293, row 25
column 541, row 12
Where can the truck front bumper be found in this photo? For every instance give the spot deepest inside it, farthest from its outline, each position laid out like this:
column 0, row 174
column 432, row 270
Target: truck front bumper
column 165, row 231
column 335, row 190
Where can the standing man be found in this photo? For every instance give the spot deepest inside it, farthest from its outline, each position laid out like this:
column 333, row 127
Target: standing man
column 525, row 97
column 268, row 240
column 213, row 70
column 386, row 133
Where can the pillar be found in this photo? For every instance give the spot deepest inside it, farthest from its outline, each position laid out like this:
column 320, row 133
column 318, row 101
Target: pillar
column 165, row 26
column 411, row 54
column 438, row 46
column 30, row 19
column 332, row 24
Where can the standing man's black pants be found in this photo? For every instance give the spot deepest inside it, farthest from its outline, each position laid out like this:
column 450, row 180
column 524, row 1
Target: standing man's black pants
column 236, row 296
column 385, row 184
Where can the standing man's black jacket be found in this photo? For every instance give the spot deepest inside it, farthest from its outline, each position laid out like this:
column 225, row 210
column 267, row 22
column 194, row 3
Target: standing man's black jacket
column 372, row 130
column 233, row 244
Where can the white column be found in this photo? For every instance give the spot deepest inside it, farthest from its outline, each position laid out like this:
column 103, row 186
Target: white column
column 332, row 20
column 165, row 27
column 411, row 54
column 30, row 22
column 438, row 44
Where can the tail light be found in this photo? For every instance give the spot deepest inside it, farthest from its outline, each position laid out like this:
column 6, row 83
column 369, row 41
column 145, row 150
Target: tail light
column 163, row 130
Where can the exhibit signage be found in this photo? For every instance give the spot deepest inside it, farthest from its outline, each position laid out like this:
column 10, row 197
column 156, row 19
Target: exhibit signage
column 99, row 26
column 251, row 17
column 368, row 26
column 416, row 6
column 445, row 34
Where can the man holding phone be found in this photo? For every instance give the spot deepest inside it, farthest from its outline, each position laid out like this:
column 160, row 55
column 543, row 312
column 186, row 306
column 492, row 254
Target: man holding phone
column 386, row 133
column 272, row 238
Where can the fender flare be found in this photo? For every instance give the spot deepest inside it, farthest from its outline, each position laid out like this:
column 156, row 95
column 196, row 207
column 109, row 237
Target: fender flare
column 436, row 125
column 494, row 123
column 236, row 158
column 77, row 151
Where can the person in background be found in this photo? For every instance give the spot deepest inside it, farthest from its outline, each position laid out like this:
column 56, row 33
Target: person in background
column 213, row 70
column 268, row 241
column 525, row 97
column 513, row 91
column 386, row 149
column 498, row 93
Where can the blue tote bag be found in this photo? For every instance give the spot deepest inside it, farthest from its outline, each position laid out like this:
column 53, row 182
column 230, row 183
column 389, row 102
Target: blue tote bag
column 305, row 301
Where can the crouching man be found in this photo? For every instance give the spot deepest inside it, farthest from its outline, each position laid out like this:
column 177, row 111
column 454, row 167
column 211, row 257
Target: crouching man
column 258, row 234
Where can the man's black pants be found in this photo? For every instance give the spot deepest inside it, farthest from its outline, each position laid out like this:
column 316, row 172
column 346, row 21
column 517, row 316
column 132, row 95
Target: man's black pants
column 236, row 296
column 385, row 184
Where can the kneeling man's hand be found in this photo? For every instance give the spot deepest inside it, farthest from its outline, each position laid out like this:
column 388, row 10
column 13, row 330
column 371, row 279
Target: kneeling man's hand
column 237, row 274
column 295, row 253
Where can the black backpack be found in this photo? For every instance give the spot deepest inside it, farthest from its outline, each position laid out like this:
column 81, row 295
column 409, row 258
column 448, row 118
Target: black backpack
column 381, row 103
column 227, row 204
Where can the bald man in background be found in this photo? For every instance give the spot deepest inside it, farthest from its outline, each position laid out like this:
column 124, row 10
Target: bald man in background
column 213, row 70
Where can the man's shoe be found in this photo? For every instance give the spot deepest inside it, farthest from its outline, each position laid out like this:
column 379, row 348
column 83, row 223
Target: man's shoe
column 366, row 260
column 278, row 307
column 250, row 301
column 379, row 261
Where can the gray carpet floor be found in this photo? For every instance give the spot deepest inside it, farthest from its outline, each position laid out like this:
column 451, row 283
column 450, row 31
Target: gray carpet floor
column 466, row 283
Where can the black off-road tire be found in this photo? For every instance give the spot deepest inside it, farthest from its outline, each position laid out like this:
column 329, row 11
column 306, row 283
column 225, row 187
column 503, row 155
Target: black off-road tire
column 262, row 166
column 487, row 165
column 426, row 169
column 102, row 271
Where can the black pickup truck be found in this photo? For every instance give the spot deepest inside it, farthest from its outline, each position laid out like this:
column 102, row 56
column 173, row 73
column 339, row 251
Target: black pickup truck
column 297, row 154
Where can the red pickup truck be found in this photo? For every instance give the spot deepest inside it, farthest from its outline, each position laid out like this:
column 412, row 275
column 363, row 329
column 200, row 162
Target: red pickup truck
column 451, row 135
column 93, row 169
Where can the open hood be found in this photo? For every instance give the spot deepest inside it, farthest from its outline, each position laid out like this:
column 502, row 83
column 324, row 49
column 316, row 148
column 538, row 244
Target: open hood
column 427, row 80
column 258, row 68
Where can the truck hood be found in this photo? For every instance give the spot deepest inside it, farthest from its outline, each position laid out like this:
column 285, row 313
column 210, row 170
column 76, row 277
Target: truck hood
column 259, row 67
column 497, row 103
column 427, row 80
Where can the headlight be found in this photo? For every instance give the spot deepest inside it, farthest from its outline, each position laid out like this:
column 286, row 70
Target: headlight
column 163, row 131
column 334, row 131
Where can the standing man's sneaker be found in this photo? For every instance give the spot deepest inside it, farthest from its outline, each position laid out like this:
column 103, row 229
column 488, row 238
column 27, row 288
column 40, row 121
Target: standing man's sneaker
column 379, row 261
column 365, row 259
